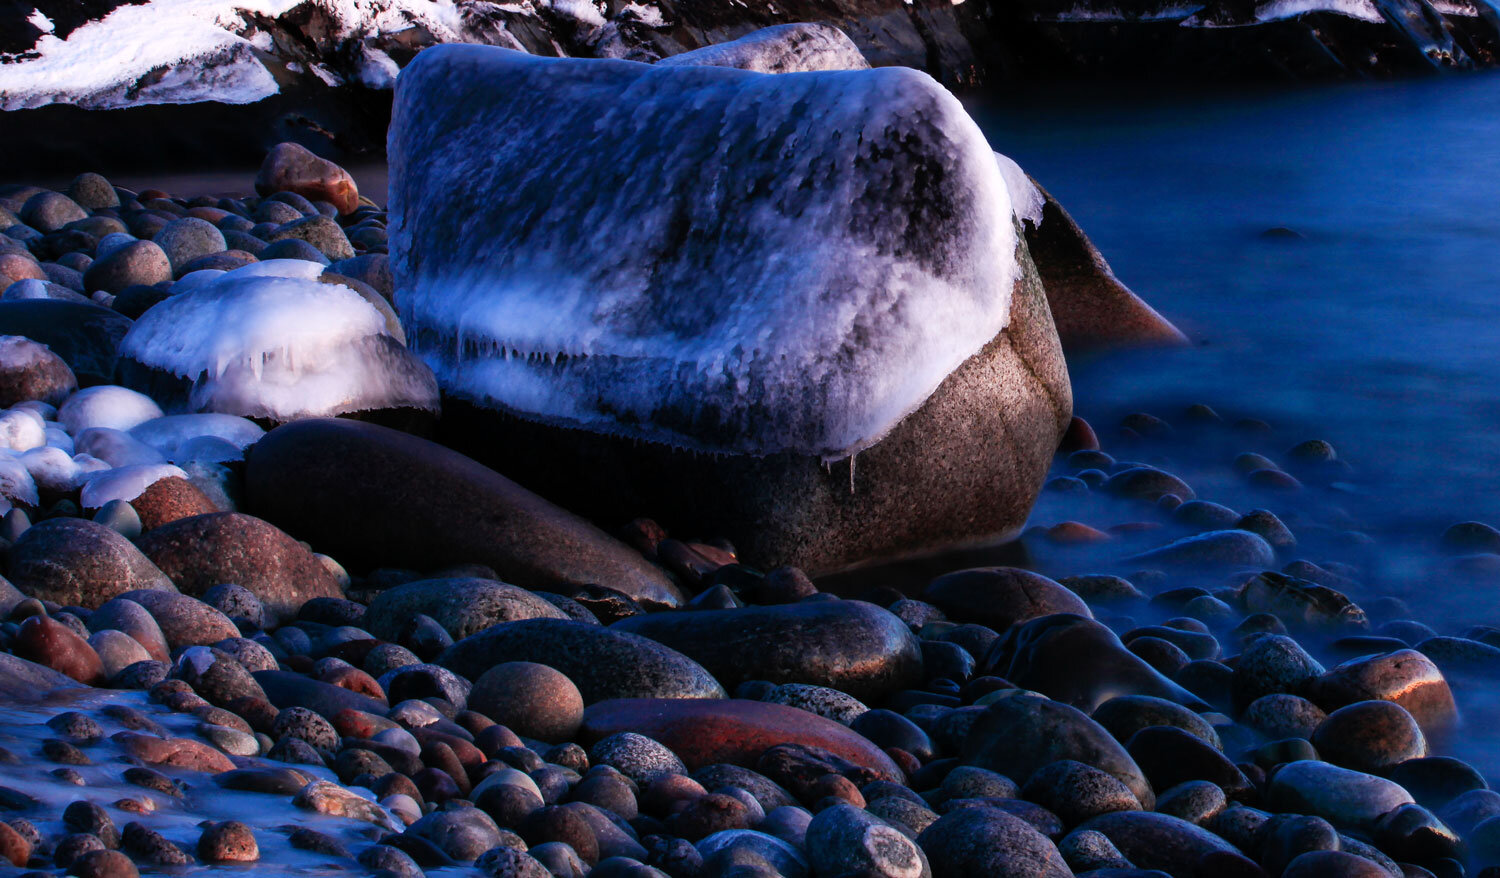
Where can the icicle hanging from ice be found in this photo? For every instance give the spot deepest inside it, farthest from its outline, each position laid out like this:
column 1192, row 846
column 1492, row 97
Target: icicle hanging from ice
column 271, row 340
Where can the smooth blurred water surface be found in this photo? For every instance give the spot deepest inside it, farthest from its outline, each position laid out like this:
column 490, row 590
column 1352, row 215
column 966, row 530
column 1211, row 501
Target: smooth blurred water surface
column 1379, row 329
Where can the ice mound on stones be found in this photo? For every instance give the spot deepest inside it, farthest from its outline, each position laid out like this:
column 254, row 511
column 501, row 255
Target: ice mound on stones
column 783, row 48
column 706, row 257
column 272, row 341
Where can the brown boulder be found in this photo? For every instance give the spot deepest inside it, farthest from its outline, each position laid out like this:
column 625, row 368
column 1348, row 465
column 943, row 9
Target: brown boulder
column 52, row 644
column 1405, row 677
column 424, row 506
column 170, row 499
column 291, row 167
column 77, row 562
column 176, row 752
column 709, row 732
column 15, row 266
column 1091, row 307
column 228, row 547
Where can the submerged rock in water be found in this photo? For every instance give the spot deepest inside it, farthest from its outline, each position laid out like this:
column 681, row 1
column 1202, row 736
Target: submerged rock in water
column 1091, row 307
column 424, row 506
column 909, row 329
column 1079, row 662
column 271, row 341
column 1019, row 734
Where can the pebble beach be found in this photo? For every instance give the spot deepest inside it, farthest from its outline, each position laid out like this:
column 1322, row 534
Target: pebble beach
column 1178, row 669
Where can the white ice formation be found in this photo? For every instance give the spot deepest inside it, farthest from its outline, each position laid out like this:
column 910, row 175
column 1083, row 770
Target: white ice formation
column 271, row 341
column 124, row 483
column 107, row 405
column 707, row 257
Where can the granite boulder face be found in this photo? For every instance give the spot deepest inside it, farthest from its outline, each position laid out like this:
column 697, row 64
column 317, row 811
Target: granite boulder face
column 426, row 507
column 823, row 369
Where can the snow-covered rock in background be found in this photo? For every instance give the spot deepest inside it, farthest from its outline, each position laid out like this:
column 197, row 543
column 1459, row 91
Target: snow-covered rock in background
column 679, row 278
column 785, row 48
column 272, row 341
column 182, row 51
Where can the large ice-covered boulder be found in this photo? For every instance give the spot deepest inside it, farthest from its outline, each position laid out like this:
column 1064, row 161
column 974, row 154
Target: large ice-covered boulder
column 794, row 310
column 273, row 341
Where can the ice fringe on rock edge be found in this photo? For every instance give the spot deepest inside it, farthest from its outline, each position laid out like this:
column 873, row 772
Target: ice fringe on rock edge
column 272, row 341
column 711, row 258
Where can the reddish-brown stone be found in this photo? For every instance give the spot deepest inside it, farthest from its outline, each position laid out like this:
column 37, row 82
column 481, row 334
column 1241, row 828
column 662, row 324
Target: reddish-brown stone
column 1405, row 677
column 354, row 680
column 291, row 167
column 204, row 551
column 169, row 500
column 13, row 846
column 50, row 643
column 177, row 752
column 711, row 731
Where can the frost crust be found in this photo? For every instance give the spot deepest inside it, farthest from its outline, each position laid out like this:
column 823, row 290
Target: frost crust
column 713, row 258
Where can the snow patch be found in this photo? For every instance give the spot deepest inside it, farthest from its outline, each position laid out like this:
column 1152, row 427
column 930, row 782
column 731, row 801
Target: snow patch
column 40, row 21
column 116, row 447
column 581, row 11
column 18, row 353
column 22, row 430
column 712, row 258
column 106, row 405
column 1025, row 197
column 168, row 434
column 16, row 483
column 53, row 469
column 1278, row 10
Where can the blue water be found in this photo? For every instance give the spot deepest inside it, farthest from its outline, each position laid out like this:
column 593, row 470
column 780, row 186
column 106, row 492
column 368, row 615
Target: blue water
column 1378, row 329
